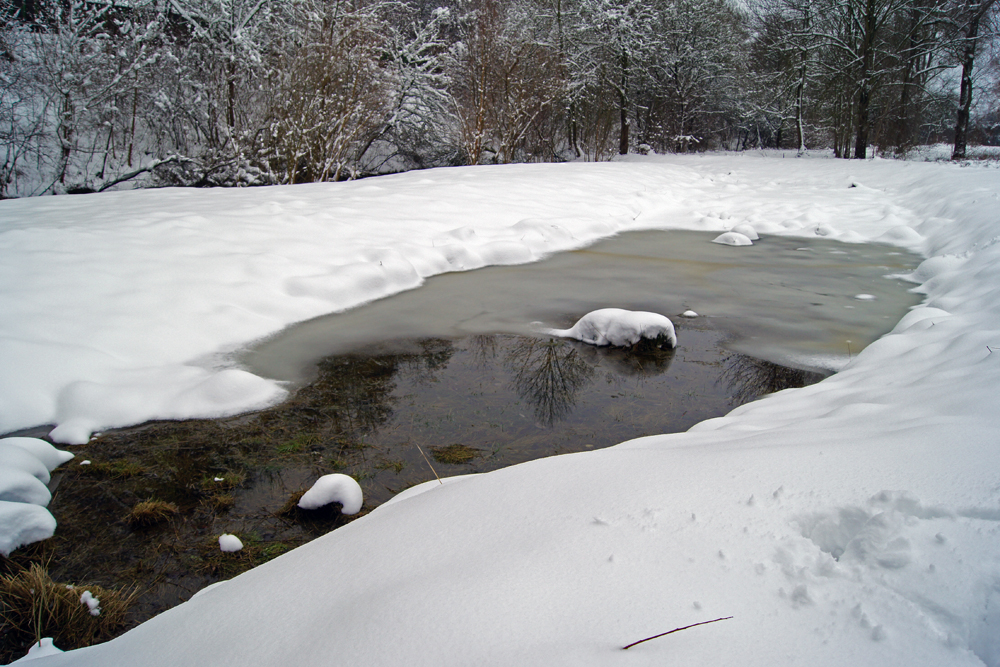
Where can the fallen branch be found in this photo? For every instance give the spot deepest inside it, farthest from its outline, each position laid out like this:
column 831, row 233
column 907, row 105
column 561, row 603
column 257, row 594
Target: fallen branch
column 664, row 634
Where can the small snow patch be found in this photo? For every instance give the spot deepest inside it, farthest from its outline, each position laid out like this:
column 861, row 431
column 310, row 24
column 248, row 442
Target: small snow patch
column 92, row 603
column 230, row 543
column 689, row 313
column 335, row 488
column 864, row 297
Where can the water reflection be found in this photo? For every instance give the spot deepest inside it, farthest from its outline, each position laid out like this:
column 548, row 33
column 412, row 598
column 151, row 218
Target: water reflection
column 548, row 374
column 749, row 378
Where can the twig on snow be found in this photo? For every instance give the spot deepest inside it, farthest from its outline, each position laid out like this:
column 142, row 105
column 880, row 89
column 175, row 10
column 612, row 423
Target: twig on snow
column 670, row 632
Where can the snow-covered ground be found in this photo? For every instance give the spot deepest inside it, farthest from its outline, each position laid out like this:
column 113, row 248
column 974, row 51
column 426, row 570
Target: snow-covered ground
column 854, row 522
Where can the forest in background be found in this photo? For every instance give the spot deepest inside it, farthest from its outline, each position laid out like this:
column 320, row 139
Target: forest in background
column 96, row 94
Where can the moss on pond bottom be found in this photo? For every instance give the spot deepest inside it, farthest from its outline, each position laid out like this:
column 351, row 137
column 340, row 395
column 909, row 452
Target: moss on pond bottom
column 507, row 399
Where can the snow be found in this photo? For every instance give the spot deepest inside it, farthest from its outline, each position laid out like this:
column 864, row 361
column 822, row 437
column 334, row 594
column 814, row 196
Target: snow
column 732, row 238
column 93, row 604
column 334, row 488
column 620, row 328
column 230, row 543
column 25, row 464
column 43, row 648
column 689, row 313
column 746, row 230
column 855, row 521
column 23, row 523
column 49, row 456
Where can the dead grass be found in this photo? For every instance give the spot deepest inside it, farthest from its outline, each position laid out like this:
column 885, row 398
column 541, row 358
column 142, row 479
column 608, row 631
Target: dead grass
column 33, row 606
column 150, row 513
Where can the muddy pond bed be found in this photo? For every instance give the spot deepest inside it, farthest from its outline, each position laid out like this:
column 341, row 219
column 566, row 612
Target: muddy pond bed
column 447, row 395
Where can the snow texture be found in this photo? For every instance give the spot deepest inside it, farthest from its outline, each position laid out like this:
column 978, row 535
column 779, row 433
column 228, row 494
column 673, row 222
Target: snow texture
column 23, row 523
column 852, row 522
column 230, row 543
column 619, row 328
column 334, row 488
column 732, row 238
column 25, row 464
column 50, row 457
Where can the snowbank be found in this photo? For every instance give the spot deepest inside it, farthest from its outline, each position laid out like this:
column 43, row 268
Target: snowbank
column 856, row 521
column 25, row 464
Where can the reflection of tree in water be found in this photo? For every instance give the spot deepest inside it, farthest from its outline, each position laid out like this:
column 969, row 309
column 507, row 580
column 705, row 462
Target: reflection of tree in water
column 484, row 350
column 548, row 374
column 749, row 378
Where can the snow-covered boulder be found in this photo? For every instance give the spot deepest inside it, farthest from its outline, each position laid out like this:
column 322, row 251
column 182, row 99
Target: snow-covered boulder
column 732, row 238
column 620, row 328
column 335, row 488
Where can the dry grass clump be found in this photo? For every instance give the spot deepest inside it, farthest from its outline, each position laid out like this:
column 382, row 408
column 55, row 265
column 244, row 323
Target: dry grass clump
column 33, row 606
column 455, row 454
column 150, row 513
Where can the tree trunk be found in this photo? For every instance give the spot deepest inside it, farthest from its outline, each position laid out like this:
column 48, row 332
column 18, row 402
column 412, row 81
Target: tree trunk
column 623, row 108
column 965, row 94
column 864, row 80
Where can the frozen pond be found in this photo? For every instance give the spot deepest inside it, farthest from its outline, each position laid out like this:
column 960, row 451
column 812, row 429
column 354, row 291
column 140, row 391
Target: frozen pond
column 785, row 300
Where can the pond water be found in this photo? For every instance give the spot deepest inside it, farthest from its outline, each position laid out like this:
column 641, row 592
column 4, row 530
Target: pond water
column 450, row 379
column 789, row 301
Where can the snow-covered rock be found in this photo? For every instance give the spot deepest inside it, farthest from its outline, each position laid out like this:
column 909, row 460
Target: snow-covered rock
column 689, row 313
column 334, row 488
column 230, row 543
column 732, row 238
column 620, row 328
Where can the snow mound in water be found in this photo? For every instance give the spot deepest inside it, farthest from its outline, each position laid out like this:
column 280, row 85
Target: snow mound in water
column 620, row 328
column 732, row 238
column 335, row 488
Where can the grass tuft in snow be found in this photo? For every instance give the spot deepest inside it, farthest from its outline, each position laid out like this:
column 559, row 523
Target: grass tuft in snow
column 33, row 606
